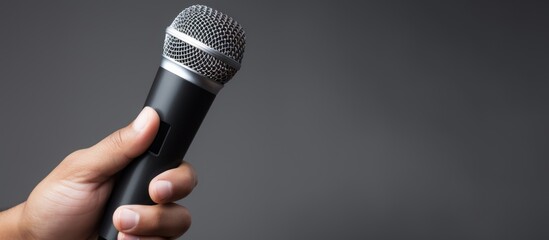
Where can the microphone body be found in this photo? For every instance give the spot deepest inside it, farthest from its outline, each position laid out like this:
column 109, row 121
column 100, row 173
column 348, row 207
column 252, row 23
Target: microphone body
column 181, row 106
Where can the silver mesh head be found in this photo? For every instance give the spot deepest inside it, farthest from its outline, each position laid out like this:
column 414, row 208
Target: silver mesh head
column 216, row 30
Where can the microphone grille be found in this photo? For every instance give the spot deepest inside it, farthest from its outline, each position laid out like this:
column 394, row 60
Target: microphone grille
column 216, row 30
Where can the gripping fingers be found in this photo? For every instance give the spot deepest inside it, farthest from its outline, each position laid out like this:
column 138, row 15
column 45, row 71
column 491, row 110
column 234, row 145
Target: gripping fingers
column 173, row 184
column 123, row 236
column 163, row 220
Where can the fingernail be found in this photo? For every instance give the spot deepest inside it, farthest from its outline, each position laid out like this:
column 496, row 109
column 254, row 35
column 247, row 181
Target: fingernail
column 163, row 189
column 128, row 219
column 123, row 236
column 141, row 121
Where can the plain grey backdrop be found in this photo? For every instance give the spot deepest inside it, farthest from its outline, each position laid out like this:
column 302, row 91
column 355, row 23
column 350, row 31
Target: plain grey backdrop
column 348, row 119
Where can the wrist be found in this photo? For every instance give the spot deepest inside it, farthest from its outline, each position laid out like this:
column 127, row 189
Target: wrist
column 10, row 220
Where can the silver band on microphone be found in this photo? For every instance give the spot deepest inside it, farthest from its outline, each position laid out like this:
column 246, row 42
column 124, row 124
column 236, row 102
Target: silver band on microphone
column 190, row 75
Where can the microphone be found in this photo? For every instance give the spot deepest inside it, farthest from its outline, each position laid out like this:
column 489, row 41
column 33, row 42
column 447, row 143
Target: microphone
column 203, row 49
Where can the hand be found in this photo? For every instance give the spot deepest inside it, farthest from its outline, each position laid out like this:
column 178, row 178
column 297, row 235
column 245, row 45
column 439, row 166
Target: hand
column 69, row 202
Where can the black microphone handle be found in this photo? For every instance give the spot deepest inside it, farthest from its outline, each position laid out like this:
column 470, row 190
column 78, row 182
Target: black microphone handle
column 181, row 106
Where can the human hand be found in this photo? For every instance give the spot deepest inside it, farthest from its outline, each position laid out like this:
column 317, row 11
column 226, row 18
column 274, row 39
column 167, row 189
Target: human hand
column 69, row 202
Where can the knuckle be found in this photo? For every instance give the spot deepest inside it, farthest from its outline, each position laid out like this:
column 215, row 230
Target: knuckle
column 189, row 178
column 72, row 163
column 75, row 155
column 187, row 220
column 172, row 219
column 116, row 140
column 156, row 219
column 184, row 221
column 188, row 183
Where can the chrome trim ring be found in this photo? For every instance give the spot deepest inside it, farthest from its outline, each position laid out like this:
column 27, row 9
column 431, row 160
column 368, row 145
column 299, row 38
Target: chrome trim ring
column 189, row 75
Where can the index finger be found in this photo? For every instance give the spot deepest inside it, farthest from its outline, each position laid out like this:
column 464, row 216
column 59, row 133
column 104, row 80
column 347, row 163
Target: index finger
column 173, row 184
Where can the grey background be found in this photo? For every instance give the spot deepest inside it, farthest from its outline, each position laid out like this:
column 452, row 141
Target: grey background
column 348, row 120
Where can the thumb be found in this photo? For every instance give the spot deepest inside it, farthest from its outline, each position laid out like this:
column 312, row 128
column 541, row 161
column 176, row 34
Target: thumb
column 101, row 161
